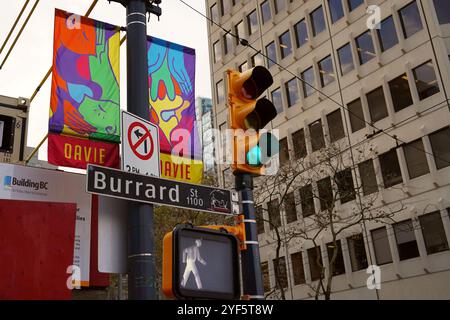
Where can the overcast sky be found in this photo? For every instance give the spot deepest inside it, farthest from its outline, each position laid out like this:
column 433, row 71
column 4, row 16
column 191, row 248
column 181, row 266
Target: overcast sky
column 32, row 55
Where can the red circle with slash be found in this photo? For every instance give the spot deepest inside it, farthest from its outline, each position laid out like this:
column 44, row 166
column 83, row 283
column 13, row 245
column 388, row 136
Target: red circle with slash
column 142, row 139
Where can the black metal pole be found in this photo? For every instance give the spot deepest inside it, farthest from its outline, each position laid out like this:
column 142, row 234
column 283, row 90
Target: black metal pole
column 251, row 262
column 141, row 261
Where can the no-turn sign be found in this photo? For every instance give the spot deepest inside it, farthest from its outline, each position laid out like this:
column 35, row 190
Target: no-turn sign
column 140, row 145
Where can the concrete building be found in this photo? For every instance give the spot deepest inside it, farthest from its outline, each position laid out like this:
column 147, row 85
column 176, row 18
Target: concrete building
column 385, row 89
column 205, row 120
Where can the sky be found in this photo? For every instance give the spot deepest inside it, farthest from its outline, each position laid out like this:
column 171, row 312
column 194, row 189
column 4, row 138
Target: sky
column 32, row 55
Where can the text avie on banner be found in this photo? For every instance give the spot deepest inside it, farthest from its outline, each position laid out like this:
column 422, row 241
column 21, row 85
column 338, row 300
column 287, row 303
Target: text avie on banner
column 85, row 86
column 171, row 75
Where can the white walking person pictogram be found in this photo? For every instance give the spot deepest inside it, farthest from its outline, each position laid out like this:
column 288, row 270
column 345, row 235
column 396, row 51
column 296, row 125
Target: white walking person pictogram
column 190, row 256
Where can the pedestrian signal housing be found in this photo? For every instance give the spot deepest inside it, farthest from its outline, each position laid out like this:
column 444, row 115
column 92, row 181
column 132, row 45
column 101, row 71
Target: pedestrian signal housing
column 200, row 263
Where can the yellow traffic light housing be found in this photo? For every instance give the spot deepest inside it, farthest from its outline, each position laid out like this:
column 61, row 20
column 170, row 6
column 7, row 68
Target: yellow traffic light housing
column 248, row 115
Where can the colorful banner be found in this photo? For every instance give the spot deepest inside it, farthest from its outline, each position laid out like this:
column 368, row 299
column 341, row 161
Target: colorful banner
column 171, row 74
column 85, row 84
column 77, row 153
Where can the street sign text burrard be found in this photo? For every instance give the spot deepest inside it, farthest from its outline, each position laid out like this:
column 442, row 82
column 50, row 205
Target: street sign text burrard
column 120, row 184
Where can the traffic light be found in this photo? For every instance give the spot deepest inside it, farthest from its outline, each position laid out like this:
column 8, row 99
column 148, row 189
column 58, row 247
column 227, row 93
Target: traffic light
column 200, row 263
column 252, row 149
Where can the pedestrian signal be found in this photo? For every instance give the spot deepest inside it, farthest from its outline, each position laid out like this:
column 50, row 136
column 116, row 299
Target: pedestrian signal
column 200, row 263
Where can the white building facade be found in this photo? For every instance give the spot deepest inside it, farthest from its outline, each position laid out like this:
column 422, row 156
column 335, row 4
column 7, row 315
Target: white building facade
column 386, row 88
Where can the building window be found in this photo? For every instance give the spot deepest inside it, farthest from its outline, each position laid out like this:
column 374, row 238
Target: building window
column 346, row 188
column 410, row 19
column 217, row 51
column 433, row 232
column 277, row 100
column 307, row 201
column 273, row 208
column 356, row 115
column 316, row 135
column 368, row 177
column 440, row 143
column 400, row 92
column 266, row 15
column 225, row 6
column 416, row 159
column 387, row 34
column 227, row 43
column 301, row 33
column 279, row 5
column 265, row 273
column 298, row 138
column 325, row 193
column 426, row 82
column 290, row 208
column 336, row 10
column 279, row 265
column 390, row 168
column 252, row 22
column 377, row 105
column 297, row 268
column 285, row 44
column 381, row 246
column 220, row 92
column 7, row 127
column 353, row 4
column 291, row 92
column 317, row 21
column 335, row 126
column 243, row 67
column 308, row 82
column 442, row 10
column 284, row 152
column 240, row 31
column 315, row 263
column 339, row 267
column 223, row 141
column 326, row 71
column 214, row 13
column 357, row 252
column 227, row 177
column 346, row 59
column 257, row 60
column 259, row 219
column 406, row 241
column 271, row 54
column 364, row 46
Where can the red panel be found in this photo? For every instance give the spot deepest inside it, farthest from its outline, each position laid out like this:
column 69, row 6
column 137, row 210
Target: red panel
column 36, row 247
column 96, row 278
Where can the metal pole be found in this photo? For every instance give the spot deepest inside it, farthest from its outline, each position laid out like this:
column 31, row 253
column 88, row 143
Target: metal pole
column 251, row 262
column 141, row 262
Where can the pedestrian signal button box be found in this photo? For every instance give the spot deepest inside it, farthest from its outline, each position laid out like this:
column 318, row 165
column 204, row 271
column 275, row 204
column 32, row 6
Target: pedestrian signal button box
column 200, row 263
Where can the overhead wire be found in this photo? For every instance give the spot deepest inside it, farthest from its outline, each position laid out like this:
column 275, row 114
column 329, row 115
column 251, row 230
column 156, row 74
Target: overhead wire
column 20, row 33
column 244, row 42
column 14, row 25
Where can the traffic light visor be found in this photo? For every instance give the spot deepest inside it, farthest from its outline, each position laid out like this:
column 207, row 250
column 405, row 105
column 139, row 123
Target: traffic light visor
column 267, row 147
column 263, row 113
column 259, row 80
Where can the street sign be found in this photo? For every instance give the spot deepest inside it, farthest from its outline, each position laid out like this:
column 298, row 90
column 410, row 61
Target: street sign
column 125, row 185
column 140, row 145
column 200, row 263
